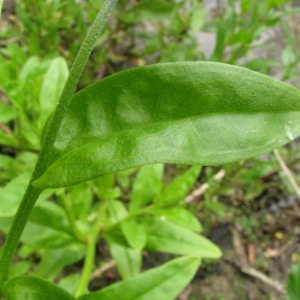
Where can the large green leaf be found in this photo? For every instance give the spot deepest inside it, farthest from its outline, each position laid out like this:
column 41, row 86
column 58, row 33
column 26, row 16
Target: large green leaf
column 164, row 282
column 27, row 287
column 188, row 113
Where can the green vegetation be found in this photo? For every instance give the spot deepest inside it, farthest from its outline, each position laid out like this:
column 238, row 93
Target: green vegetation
column 82, row 165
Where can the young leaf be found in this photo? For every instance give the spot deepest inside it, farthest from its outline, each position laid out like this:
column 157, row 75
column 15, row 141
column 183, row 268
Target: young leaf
column 179, row 188
column 11, row 195
column 147, row 185
column 28, row 287
column 180, row 216
column 7, row 113
column 164, row 282
column 52, row 87
column 135, row 233
column 166, row 236
column 188, row 113
column 128, row 261
column 54, row 260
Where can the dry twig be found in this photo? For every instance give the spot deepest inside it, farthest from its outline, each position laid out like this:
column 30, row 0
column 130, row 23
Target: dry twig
column 289, row 176
column 247, row 269
column 103, row 269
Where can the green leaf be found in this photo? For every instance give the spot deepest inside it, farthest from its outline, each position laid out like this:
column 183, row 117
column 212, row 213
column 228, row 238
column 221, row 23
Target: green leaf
column 28, row 287
column 44, row 237
column 179, row 188
column 48, row 227
column 104, row 187
column 70, row 283
column 164, row 282
column 7, row 113
column 49, row 214
column 293, row 284
column 135, row 233
column 148, row 10
column 180, row 216
column 147, row 185
column 52, row 87
column 81, row 198
column 19, row 268
column 11, row 194
column 8, row 140
column 54, row 260
column 166, row 236
column 116, row 211
column 201, row 113
column 128, row 260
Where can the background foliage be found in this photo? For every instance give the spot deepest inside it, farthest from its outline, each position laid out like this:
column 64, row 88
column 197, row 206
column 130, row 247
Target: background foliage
column 252, row 198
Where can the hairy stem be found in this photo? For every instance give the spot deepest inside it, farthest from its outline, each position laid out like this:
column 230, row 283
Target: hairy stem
column 52, row 126
column 30, row 197
column 1, row 3
column 49, row 136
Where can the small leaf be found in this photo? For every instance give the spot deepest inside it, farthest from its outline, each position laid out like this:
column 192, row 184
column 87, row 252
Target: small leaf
column 116, row 211
column 164, row 282
column 128, row 261
column 48, row 227
column 7, row 113
column 49, row 214
column 147, row 185
column 179, row 188
column 11, row 194
column 52, row 87
column 19, row 268
column 28, row 287
column 8, row 140
column 180, row 216
column 70, row 283
column 54, row 260
column 201, row 113
column 166, row 236
column 135, row 233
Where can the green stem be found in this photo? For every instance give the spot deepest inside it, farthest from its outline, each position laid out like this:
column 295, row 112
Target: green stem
column 52, row 127
column 1, row 3
column 90, row 254
column 29, row 199
column 49, row 135
column 69, row 213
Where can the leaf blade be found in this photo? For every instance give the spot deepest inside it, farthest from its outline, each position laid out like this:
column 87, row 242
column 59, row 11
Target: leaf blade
column 28, row 287
column 189, row 113
column 164, row 282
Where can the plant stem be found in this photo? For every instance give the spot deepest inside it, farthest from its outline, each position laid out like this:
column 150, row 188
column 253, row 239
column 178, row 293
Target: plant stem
column 90, row 253
column 49, row 135
column 1, row 3
column 68, row 210
column 52, row 126
column 30, row 197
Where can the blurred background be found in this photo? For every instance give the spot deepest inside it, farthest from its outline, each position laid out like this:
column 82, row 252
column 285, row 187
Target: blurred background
column 249, row 208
